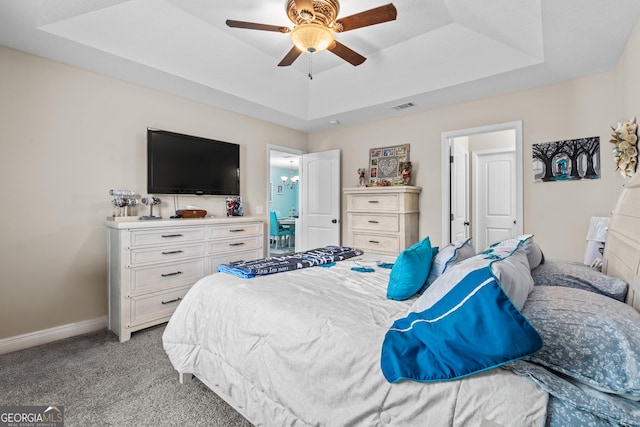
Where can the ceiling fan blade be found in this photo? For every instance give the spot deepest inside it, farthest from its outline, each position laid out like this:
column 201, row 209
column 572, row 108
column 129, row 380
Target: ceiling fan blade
column 374, row 16
column 255, row 26
column 351, row 56
column 304, row 5
column 290, row 57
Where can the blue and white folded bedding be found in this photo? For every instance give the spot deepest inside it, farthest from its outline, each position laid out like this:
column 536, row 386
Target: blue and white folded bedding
column 271, row 265
column 467, row 321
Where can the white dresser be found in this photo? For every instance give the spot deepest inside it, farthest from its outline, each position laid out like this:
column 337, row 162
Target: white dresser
column 382, row 220
column 152, row 264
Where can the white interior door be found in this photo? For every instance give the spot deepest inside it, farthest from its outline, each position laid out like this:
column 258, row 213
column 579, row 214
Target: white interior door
column 495, row 214
column 459, row 190
column 319, row 219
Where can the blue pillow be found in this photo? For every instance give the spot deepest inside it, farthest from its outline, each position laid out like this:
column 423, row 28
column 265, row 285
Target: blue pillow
column 410, row 271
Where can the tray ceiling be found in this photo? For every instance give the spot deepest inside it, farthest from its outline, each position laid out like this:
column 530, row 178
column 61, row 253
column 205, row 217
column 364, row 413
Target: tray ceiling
column 437, row 52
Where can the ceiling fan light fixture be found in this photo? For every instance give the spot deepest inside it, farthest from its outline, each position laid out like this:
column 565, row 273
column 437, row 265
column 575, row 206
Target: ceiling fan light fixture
column 311, row 37
column 307, row 15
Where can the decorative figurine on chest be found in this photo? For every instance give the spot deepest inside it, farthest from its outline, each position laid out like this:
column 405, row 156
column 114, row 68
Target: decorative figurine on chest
column 406, row 173
column 362, row 178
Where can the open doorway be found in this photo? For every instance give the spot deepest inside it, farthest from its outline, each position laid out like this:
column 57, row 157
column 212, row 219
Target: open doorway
column 315, row 215
column 482, row 185
column 284, row 199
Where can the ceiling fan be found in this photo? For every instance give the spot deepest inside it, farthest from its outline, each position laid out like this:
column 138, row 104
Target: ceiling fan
column 315, row 22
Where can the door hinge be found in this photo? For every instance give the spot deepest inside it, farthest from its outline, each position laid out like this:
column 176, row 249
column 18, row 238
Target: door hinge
column 451, row 216
column 450, row 159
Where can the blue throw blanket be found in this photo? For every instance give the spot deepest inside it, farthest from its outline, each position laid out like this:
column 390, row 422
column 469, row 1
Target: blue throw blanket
column 472, row 329
column 467, row 323
column 271, row 265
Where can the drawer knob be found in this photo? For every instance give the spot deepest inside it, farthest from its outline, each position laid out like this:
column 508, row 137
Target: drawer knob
column 374, row 201
column 236, row 244
column 237, row 230
column 171, row 252
column 172, row 235
column 373, row 222
column 374, row 241
column 175, row 273
column 171, row 300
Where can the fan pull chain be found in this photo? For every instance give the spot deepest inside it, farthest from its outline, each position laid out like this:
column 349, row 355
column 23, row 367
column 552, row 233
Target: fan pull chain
column 310, row 65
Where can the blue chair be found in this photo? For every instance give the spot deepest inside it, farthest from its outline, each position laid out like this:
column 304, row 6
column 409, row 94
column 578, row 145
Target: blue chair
column 277, row 231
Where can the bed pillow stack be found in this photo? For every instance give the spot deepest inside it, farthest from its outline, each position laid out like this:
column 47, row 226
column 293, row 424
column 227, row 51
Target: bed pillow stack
column 410, row 271
column 590, row 338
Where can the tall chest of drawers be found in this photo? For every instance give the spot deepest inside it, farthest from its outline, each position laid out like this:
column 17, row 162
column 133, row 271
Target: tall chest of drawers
column 382, row 220
column 152, row 264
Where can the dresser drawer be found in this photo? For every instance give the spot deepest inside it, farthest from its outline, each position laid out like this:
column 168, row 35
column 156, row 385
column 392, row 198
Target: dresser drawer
column 166, row 236
column 374, row 202
column 234, row 230
column 166, row 253
column 165, row 276
column 376, row 243
column 249, row 255
column 150, row 308
column 375, row 222
column 235, row 245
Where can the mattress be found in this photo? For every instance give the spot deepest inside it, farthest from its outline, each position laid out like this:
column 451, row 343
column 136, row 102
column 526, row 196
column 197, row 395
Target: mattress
column 303, row 348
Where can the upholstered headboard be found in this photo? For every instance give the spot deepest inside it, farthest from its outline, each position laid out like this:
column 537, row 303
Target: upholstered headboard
column 622, row 248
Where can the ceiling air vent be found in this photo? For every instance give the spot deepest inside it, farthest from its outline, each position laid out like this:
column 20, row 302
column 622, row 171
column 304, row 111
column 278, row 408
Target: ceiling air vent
column 404, row 106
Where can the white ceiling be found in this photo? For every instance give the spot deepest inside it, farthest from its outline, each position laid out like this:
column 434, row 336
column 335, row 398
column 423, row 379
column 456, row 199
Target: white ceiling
column 437, row 52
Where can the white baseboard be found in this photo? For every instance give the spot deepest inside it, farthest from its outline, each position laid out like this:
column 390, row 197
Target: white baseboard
column 46, row 336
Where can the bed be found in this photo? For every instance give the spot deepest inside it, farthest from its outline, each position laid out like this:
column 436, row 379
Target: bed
column 303, row 347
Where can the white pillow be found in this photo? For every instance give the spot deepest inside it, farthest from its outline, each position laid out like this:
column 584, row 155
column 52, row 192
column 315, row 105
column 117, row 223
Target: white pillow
column 534, row 253
column 447, row 257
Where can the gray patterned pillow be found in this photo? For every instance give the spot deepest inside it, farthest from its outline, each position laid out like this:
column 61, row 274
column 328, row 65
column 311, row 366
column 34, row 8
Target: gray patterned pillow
column 589, row 337
column 580, row 276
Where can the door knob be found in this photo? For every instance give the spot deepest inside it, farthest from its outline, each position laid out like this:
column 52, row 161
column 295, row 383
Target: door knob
column 466, row 223
column 334, row 221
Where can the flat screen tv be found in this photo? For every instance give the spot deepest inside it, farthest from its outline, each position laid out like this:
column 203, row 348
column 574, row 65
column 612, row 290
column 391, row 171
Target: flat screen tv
column 185, row 164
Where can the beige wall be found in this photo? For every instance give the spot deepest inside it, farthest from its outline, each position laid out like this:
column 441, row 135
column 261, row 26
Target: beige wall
column 68, row 136
column 557, row 213
column 627, row 100
column 492, row 140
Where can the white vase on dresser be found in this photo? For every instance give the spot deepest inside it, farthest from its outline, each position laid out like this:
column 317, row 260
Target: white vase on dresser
column 382, row 220
column 152, row 264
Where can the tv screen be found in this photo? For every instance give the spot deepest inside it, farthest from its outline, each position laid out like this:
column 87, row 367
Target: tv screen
column 184, row 164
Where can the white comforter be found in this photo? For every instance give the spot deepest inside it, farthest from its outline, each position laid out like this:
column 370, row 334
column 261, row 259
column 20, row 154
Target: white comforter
column 303, row 348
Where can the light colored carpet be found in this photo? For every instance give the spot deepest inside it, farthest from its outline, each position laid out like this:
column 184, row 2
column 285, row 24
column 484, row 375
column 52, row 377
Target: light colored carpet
column 101, row 381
